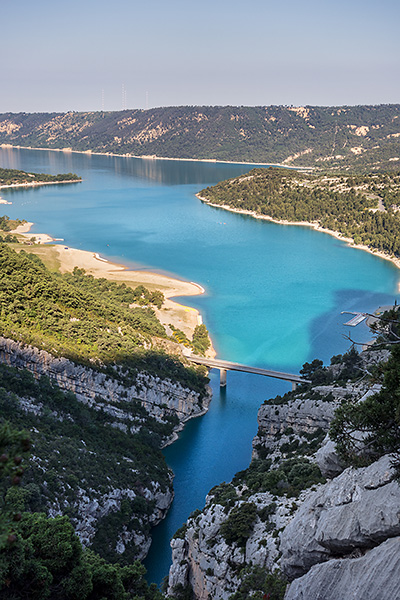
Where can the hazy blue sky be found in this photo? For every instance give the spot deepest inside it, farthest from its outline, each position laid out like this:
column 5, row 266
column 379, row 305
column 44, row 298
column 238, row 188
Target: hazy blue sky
column 77, row 55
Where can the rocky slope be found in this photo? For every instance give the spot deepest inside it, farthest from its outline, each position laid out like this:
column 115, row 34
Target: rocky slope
column 329, row 532
column 110, row 393
column 96, row 444
column 315, row 136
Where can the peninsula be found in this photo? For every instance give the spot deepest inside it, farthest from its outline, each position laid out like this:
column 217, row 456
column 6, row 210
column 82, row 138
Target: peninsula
column 62, row 258
column 13, row 178
column 360, row 209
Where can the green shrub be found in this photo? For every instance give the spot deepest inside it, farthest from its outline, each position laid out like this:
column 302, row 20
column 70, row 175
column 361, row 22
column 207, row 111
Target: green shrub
column 239, row 525
column 257, row 583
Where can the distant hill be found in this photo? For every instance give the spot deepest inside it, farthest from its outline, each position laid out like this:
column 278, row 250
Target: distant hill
column 356, row 137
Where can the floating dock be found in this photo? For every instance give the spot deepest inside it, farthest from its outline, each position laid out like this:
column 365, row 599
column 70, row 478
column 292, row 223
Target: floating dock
column 356, row 320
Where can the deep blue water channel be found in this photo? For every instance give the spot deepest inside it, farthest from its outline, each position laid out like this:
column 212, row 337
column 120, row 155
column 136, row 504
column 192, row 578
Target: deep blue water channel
column 274, row 293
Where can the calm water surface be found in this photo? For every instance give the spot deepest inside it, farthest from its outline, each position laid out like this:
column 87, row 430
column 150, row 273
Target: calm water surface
column 274, row 294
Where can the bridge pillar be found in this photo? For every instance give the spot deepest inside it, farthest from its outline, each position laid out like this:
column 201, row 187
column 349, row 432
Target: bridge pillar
column 294, row 386
column 222, row 377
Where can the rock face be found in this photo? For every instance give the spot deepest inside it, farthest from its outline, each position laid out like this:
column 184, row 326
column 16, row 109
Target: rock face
column 336, row 540
column 328, row 460
column 92, row 510
column 282, row 423
column 160, row 397
column 118, row 398
column 357, row 510
column 355, row 516
column 202, row 559
column 374, row 576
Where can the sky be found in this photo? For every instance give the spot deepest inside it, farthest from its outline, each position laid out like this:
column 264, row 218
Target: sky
column 90, row 55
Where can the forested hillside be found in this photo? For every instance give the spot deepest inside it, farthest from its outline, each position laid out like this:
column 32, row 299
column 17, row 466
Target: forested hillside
column 362, row 207
column 96, row 452
column 41, row 557
column 84, row 466
column 357, row 136
column 90, row 321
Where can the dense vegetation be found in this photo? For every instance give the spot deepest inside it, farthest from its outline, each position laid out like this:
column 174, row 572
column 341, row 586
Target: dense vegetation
column 364, row 431
column 7, row 224
column 200, row 340
column 362, row 207
column 320, row 136
column 288, row 478
column 13, row 177
column 77, row 448
column 258, row 584
column 41, row 557
column 82, row 318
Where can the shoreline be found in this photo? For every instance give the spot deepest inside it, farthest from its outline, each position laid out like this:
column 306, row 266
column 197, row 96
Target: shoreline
column 155, row 157
column 185, row 318
column 35, row 184
column 315, row 226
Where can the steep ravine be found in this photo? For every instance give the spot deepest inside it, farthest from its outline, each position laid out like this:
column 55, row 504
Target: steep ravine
column 325, row 531
column 160, row 397
column 105, row 485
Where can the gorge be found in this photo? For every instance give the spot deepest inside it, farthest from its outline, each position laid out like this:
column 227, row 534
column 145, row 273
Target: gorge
column 301, row 279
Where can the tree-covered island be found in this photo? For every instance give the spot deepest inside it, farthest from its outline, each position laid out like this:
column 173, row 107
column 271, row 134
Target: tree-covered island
column 364, row 207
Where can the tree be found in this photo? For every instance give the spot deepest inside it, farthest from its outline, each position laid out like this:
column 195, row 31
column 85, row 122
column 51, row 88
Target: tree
column 14, row 447
column 364, row 431
column 42, row 558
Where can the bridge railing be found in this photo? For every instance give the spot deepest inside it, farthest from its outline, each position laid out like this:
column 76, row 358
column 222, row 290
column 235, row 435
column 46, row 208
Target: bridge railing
column 225, row 365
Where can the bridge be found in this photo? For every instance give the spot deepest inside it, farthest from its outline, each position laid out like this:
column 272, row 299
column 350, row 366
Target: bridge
column 226, row 365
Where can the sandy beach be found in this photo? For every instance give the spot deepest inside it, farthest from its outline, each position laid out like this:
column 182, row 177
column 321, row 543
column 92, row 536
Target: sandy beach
column 183, row 317
column 24, row 229
column 335, row 234
column 65, row 259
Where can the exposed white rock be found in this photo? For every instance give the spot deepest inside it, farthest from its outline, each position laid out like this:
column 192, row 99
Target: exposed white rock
column 158, row 396
column 358, row 509
column 301, row 414
column 90, row 510
column 204, row 560
column 355, row 516
column 328, row 459
column 374, row 576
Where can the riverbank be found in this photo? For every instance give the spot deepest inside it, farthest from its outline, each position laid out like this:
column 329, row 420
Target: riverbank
column 315, row 226
column 65, row 259
column 155, row 157
column 36, row 184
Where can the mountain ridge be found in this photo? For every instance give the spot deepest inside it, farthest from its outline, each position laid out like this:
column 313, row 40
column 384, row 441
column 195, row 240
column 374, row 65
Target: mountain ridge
column 356, row 137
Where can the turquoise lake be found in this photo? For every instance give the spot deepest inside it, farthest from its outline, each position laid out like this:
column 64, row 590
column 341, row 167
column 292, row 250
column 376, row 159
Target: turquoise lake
column 274, row 293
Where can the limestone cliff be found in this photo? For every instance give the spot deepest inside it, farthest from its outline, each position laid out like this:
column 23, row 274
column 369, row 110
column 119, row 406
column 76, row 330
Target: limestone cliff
column 337, row 537
column 96, row 445
column 105, row 391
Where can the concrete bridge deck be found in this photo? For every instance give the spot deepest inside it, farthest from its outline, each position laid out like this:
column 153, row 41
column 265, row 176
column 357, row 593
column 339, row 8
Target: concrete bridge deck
column 226, row 365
